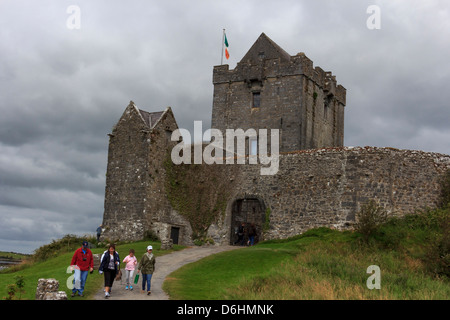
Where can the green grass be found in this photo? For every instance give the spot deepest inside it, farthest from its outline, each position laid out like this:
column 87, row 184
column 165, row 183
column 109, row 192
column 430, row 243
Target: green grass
column 13, row 255
column 328, row 264
column 412, row 253
column 208, row 278
column 56, row 268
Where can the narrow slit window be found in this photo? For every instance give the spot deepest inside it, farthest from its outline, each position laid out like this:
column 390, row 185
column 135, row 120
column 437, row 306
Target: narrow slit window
column 256, row 100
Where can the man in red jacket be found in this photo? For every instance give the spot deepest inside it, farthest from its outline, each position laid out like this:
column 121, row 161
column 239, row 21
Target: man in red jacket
column 82, row 263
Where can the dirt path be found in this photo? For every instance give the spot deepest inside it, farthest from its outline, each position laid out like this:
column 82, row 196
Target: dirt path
column 164, row 266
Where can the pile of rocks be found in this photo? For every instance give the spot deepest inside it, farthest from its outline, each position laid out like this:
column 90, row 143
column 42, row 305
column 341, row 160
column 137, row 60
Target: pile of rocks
column 166, row 244
column 96, row 257
column 47, row 289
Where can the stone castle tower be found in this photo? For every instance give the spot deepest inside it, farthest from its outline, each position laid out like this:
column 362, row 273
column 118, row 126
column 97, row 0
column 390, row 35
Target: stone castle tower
column 319, row 182
column 269, row 89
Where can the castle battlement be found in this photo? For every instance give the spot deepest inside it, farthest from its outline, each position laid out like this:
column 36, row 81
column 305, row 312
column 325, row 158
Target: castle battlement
column 279, row 66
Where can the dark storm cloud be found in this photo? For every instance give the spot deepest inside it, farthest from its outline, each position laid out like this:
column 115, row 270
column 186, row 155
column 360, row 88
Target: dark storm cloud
column 62, row 90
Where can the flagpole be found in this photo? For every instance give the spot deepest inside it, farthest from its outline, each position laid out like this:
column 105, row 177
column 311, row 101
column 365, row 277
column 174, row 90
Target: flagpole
column 223, row 41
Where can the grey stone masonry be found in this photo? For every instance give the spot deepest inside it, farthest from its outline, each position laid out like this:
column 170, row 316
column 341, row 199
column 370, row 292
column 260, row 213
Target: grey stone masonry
column 327, row 187
column 138, row 145
column 269, row 89
column 48, row 289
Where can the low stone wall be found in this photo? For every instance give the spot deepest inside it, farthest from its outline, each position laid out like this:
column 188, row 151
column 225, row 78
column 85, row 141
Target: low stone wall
column 96, row 257
column 166, row 244
column 48, row 289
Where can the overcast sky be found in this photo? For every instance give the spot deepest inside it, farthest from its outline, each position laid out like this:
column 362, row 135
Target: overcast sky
column 63, row 89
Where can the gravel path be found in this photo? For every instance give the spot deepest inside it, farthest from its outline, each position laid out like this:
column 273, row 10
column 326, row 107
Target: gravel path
column 165, row 265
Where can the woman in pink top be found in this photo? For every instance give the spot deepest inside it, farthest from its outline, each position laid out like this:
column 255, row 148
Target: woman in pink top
column 131, row 262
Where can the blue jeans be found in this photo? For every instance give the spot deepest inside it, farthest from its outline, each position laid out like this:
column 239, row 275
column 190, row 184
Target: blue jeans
column 79, row 281
column 146, row 278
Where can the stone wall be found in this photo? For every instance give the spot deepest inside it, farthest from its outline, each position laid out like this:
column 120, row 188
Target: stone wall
column 48, row 289
column 146, row 192
column 326, row 187
column 126, row 177
column 135, row 201
column 159, row 215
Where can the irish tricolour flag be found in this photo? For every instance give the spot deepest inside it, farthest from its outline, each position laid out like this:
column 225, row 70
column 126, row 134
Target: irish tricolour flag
column 224, row 44
column 227, row 54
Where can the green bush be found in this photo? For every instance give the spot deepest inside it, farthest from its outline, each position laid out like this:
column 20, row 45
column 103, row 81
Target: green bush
column 437, row 252
column 391, row 234
column 12, row 289
column 369, row 218
column 68, row 243
column 424, row 235
column 149, row 235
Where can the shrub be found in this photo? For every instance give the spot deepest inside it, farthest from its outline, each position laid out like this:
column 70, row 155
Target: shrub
column 391, row 234
column 12, row 289
column 369, row 218
column 199, row 241
column 68, row 243
column 437, row 257
column 149, row 235
column 445, row 190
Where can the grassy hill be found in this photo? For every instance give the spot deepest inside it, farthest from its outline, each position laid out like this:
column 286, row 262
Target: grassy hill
column 412, row 253
column 13, row 255
column 52, row 260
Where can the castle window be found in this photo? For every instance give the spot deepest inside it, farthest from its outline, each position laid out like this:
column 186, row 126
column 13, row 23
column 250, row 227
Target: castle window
column 168, row 135
column 253, row 146
column 256, row 100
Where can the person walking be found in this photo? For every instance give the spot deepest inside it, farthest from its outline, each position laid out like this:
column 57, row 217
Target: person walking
column 99, row 232
column 131, row 263
column 147, row 266
column 82, row 262
column 251, row 234
column 241, row 233
column 109, row 266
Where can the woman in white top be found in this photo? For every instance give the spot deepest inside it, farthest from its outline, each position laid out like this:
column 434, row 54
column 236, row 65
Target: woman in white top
column 109, row 267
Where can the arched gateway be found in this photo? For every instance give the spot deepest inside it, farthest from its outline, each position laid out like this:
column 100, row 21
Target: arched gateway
column 249, row 210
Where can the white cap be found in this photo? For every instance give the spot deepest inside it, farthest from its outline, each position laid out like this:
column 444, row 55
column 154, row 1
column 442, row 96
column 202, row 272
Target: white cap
column 149, row 248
